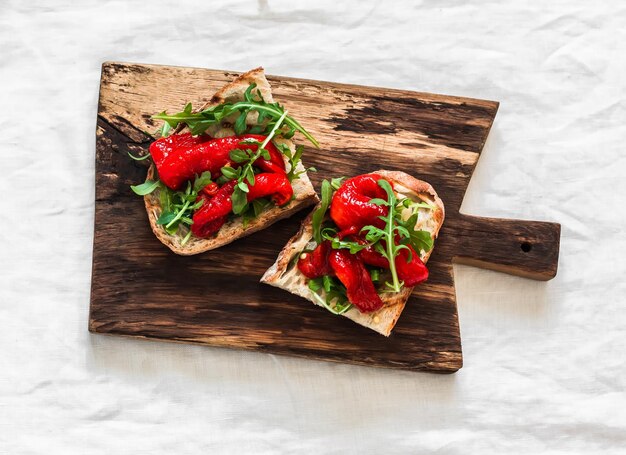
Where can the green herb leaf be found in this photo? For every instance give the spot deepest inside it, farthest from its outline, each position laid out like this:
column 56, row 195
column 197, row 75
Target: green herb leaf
column 259, row 205
column 318, row 215
column 375, row 275
column 420, row 240
column 378, row 201
column 337, row 182
column 256, row 129
column 327, row 283
column 239, row 200
column 185, row 239
column 239, row 155
column 145, row 188
column 179, row 214
column 293, row 163
column 200, row 182
column 240, row 123
column 315, row 284
column 165, row 218
column 178, row 206
column 139, row 158
column 249, row 175
column 337, row 243
column 335, row 299
column 197, row 205
column 229, row 173
column 254, row 209
column 171, row 230
column 415, row 205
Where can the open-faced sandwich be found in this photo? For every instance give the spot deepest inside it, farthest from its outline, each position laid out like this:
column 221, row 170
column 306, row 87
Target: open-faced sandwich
column 364, row 247
column 225, row 170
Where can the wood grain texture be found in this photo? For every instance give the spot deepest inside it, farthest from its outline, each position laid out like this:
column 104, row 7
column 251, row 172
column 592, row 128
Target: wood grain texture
column 141, row 289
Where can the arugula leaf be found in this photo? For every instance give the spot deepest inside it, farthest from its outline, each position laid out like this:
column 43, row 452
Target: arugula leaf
column 375, row 275
column 337, row 243
column 420, row 240
column 139, row 158
column 185, row 239
column 178, row 215
column 254, row 209
column 293, row 163
column 165, row 218
column 315, row 284
column 259, row 205
column 336, row 182
column 415, row 205
column 336, row 300
column 145, row 188
column 256, row 129
column 240, row 123
column 318, row 215
column 387, row 235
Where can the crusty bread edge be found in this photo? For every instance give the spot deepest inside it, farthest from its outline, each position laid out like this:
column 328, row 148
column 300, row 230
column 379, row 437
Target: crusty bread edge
column 384, row 320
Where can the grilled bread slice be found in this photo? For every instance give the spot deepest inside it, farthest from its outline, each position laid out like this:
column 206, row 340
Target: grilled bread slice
column 284, row 273
column 303, row 191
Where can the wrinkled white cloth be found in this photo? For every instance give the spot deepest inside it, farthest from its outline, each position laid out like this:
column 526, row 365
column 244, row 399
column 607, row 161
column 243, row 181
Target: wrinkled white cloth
column 544, row 362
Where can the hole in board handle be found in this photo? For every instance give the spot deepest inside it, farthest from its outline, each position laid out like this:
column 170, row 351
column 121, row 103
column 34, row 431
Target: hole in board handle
column 526, row 247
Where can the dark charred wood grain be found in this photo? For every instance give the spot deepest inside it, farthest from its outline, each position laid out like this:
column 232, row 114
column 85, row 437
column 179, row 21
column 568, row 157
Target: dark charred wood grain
column 453, row 125
column 141, row 289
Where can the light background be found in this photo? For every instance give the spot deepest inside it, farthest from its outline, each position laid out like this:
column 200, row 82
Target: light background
column 544, row 362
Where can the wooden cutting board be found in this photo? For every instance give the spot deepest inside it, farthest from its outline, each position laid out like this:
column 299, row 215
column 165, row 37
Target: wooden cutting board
column 141, row 289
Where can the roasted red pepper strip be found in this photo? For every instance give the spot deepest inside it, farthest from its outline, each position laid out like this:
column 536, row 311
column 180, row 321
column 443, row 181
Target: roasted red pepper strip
column 178, row 164
column 350, row 208
column 350, row 270
column 161, row 148
column 210, row 190
column 411, row 273
column 209, row 218
column 315, row 264
column 268, row 184
column 372, row 257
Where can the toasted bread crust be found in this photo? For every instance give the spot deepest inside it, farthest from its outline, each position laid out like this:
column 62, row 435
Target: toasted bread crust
column 383, row 320
column 304, row 193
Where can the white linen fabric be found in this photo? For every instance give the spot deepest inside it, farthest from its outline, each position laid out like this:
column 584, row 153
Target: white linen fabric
column 544, row 362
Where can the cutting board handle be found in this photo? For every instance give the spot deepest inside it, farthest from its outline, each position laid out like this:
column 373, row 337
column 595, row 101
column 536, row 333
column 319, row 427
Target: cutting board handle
column 518, row 247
